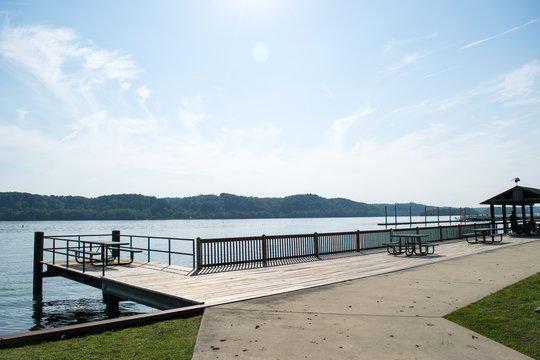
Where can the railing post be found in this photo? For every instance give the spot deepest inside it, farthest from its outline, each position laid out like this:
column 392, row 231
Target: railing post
column 264, row 254
column 38, row 266
column 358, row 240
column 116, row 238
column 440, row 233
column 199, row 254
column 316, row 244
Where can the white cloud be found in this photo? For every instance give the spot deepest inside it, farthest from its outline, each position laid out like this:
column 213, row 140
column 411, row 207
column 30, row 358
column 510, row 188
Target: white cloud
column 190, row 121
column 143, row 92
column 21, row 114
column 390, row 45
column 341, row 127
column 501, row 34
column 421, row 104
column 192, row 103
column 408, row 60
column 56, row 59
column 327, row 91
column 515, row 88
column 521, row 84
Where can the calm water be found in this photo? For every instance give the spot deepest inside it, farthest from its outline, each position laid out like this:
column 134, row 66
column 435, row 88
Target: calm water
column 67, row 302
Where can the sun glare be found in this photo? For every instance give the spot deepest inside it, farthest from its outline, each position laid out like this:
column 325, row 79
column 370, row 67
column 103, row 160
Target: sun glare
column 260, row 52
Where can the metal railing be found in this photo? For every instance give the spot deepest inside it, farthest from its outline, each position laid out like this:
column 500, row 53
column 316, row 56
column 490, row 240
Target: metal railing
column 81, row 249
column 241, row 250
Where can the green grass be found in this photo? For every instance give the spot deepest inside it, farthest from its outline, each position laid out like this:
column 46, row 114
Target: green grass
column 507, row 316
column 171, row 339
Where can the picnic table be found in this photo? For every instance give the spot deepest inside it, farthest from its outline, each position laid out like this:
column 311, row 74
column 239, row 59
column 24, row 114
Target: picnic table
column 409, row 243
column 101, row 252
column 483, row 233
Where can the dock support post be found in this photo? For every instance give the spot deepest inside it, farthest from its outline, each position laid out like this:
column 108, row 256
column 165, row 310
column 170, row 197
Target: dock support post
column 38, row 266
column 112, row 302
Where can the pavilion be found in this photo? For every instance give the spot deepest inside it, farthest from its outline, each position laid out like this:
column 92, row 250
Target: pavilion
column 516, row 196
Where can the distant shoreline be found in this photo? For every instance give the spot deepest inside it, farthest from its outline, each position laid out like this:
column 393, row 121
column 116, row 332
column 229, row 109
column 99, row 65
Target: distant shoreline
column 18, row 206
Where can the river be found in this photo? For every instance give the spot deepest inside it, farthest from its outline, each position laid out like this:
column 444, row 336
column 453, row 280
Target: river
column 67, row 302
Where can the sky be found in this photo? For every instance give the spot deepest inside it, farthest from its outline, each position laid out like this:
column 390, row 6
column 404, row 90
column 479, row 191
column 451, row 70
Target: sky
column 434, row 102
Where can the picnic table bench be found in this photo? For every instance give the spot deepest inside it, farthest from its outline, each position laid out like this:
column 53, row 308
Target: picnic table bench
column 409, row 243
column 483, row 233
column 102, row 252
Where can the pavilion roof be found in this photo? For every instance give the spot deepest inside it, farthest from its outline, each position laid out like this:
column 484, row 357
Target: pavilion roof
column 518, row 195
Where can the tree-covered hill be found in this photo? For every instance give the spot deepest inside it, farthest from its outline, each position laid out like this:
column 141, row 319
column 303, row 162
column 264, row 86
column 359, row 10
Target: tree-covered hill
column 25, row 206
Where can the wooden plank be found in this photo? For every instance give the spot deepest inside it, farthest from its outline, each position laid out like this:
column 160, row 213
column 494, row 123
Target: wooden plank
column 215, row 287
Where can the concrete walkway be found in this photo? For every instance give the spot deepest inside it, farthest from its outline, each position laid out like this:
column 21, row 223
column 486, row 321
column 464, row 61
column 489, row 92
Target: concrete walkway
column 390, row 316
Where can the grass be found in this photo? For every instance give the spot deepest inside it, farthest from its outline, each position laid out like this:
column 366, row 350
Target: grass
column 171, row 339
column 507, row 316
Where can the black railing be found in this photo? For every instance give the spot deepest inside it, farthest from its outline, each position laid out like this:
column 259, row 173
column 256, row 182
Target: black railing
column 241, row 250
column 92, row 249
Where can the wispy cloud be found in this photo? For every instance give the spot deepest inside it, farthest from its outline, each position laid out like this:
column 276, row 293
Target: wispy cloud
column 501, row 34
column 518, row 87
column 390, row 45
column 436, row 73
column 143, row 92
column 411, row 107
column 408, row 60
column 69, row 70
column 341, row 127
column 522, row 84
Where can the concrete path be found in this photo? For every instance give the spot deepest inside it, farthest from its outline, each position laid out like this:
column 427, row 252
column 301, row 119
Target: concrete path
column 390, row 316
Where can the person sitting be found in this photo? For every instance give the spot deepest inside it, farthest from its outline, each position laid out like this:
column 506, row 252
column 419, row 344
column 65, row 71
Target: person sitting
column 514, row 223
column 531, row 228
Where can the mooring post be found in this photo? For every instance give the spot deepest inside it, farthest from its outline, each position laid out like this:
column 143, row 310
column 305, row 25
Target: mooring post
column 116, row 238
column 38, row 266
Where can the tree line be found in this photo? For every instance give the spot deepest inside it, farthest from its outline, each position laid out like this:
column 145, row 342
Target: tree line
column 24, row 206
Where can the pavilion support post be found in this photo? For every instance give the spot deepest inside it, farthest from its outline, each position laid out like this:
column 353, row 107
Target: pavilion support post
column 531, row 211
column 492, row 213
column 505, row 226
column 523, row 216
column 38, row 266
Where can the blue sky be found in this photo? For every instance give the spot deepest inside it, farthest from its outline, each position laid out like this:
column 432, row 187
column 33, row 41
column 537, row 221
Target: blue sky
column 435, row 102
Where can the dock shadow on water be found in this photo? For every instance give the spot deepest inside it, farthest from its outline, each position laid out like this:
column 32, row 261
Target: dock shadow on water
column 55, row 313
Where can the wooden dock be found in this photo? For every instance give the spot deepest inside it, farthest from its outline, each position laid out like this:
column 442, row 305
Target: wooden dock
column 166, row 287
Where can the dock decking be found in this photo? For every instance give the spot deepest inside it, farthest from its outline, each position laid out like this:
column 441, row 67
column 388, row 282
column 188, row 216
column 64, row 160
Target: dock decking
column 223, row 285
